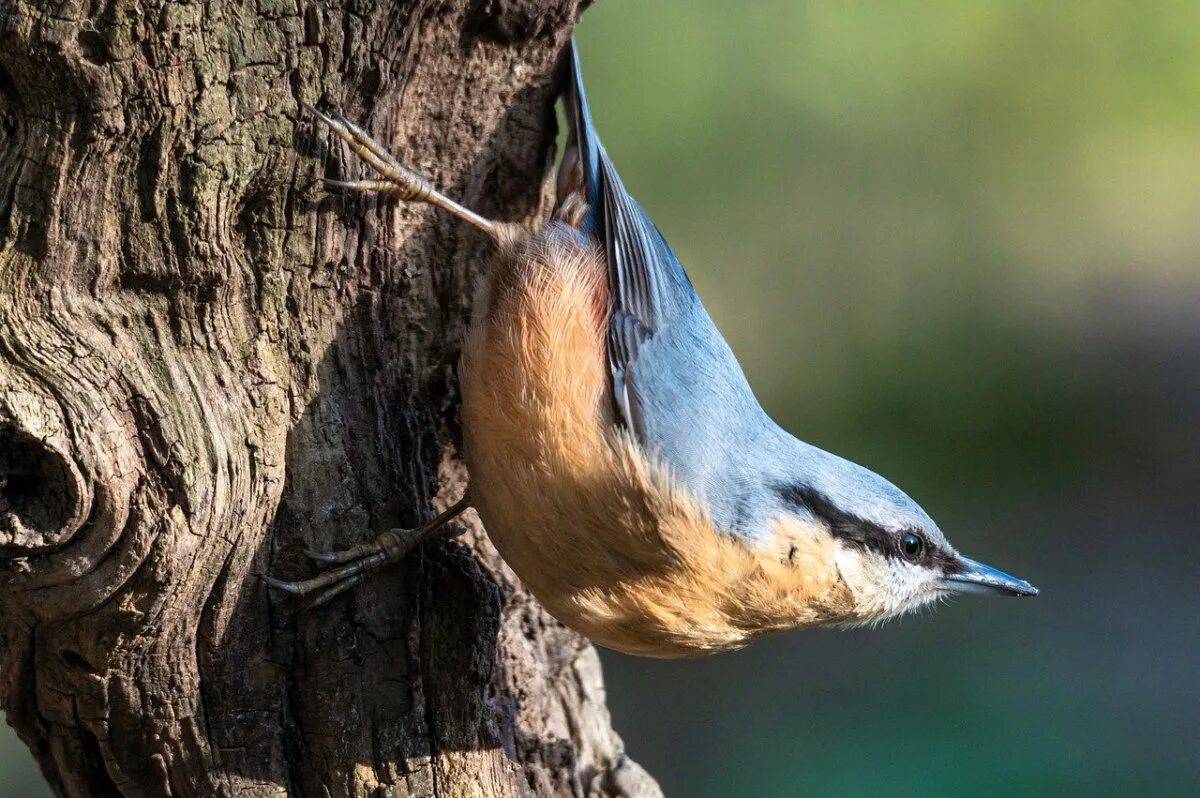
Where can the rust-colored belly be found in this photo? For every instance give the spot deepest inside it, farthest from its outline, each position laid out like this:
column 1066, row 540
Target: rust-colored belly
column 597, row 530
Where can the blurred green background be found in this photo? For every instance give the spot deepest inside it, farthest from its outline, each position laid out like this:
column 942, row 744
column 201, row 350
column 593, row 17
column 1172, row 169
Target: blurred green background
column 956, row 242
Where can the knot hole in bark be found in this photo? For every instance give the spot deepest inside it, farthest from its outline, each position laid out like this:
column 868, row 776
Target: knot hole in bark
column 39, row 493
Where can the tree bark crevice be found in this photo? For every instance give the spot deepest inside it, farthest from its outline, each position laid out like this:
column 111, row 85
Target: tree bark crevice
column 208, row 365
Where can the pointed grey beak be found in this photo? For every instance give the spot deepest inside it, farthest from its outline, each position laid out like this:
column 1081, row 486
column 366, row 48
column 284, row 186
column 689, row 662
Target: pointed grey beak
column 979, row 578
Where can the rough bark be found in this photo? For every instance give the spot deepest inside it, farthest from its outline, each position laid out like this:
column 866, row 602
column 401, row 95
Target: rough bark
column 207, row 365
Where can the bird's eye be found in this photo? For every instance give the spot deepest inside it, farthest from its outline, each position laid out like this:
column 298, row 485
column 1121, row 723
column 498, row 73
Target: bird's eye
column 912, row 546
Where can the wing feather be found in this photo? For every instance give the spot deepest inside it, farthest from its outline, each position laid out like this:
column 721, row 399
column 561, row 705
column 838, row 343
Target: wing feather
column 676, row 384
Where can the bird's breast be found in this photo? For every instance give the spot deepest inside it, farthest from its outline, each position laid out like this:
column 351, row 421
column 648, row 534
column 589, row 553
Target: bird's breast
column 597, row 528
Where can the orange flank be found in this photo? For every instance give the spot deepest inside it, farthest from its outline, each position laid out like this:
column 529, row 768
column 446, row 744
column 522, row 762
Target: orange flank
column 596, row 526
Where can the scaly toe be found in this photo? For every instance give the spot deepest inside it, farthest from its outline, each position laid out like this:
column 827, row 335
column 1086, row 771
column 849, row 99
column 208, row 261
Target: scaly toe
column 336, row 590
column 294, row 588
column 334, row 577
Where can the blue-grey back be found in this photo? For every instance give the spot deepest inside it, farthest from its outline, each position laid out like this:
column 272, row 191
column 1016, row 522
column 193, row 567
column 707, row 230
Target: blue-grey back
column 677, row 384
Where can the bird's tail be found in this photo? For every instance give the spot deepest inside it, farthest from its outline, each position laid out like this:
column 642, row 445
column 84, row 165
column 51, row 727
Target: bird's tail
column 580, row 168
column 646, row 280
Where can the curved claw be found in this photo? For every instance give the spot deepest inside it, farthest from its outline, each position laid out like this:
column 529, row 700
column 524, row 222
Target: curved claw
column 342, row 557
column 348, row 568
column 281, row 585
column 335, row 577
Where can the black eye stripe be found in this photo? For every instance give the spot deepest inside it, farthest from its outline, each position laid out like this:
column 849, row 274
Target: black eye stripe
column 843, row 525
column 861, row 532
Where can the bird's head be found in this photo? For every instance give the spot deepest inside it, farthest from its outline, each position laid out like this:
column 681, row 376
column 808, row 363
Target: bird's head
column 888, row 552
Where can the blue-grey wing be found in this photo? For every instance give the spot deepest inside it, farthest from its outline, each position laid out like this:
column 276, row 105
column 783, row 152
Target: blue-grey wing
column 675, row 382
column 647, row 286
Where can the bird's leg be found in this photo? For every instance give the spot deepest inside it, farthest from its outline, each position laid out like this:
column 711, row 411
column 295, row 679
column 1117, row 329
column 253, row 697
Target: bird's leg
column 397, row 180
column 349, row 567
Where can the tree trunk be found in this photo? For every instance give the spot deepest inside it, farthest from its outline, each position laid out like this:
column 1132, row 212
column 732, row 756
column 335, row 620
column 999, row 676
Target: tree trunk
column 208, row 365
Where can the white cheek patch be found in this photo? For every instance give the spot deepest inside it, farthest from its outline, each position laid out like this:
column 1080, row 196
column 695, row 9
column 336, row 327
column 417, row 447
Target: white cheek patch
column 911, row 587
column 884, row 587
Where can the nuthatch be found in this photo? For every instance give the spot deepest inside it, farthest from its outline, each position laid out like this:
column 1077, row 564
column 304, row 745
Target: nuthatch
column 618, row 458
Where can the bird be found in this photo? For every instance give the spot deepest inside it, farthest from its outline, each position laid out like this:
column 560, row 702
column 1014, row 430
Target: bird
column 618, row 457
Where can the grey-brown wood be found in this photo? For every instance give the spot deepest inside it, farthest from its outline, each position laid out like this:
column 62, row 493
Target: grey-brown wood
column 207, row 364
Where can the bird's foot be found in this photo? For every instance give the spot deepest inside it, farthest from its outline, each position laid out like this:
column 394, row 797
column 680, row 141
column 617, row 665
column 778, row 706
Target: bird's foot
column 398, row 180
column 348, row 567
